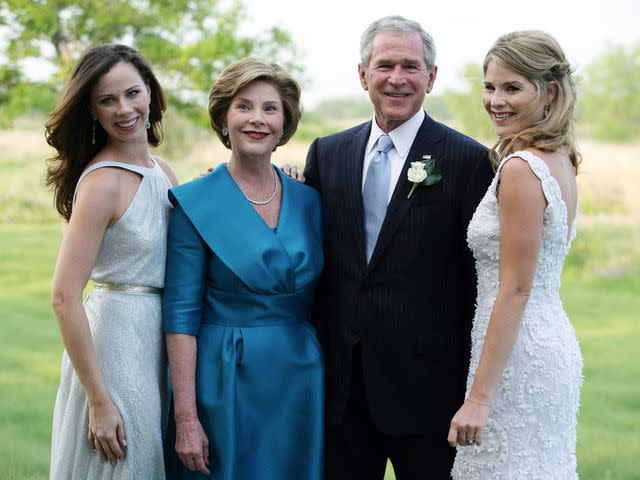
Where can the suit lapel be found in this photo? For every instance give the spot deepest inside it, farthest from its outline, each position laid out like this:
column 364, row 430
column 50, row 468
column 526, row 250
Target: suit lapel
column 353, row 161
column 426, row 143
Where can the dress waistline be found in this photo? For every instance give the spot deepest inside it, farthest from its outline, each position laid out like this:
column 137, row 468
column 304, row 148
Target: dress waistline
column 256, row 309
column 123, row 287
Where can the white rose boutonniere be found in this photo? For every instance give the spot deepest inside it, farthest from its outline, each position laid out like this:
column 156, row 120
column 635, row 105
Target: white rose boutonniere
column 417, row 173
column 423, row 172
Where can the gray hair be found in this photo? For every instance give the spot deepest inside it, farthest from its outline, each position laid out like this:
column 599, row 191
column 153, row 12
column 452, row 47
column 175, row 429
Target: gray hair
column 396, row 25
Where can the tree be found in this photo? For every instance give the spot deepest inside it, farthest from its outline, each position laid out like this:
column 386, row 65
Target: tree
column 466, row 107
column 188, row 42
column 609, row 106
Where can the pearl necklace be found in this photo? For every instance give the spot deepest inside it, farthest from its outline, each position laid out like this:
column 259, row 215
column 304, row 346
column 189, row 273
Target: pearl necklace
column 275, row 190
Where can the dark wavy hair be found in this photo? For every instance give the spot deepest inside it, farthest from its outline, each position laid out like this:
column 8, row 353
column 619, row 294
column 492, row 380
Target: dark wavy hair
column 69, row 128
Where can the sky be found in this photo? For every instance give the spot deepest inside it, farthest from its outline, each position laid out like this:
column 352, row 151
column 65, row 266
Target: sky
column 328, row 32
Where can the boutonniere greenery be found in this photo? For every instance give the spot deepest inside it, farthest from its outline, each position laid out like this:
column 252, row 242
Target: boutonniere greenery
column 423, row 172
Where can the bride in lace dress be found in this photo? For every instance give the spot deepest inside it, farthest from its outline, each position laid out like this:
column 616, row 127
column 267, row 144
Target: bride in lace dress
column 519, row 417
column 111, row 406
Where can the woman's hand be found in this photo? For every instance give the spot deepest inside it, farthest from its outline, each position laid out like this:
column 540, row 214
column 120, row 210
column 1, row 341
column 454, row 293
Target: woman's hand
column 293, row 172
column 468, row 424
column 106, row 431
column 192, row 446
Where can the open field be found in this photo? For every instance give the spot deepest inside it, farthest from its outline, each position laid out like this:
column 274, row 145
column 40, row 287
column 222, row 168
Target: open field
column 609, row 174
column 600, row 295
column 601, row 287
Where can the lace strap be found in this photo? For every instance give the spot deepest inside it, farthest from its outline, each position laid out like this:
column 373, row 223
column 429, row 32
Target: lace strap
column 108, row 163
column 550, row 186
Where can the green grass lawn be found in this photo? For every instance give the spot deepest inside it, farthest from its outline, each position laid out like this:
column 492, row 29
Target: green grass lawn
column 600, row 292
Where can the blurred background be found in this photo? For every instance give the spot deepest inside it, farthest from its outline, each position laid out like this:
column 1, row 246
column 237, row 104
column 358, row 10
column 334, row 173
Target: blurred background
column 189, row 42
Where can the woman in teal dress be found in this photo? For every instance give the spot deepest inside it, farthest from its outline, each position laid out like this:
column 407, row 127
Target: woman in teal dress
column 243, row 256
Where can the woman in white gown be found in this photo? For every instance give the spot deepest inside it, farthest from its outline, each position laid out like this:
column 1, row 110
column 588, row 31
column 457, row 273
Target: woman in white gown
column 519, row 418
column 111, row 406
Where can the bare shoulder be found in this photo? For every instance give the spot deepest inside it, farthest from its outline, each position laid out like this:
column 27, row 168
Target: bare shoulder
column 166, row 168
column 516, row 169
column 562, row 170
column 97, row 199
column 100, row 186
column 518, row 183
column 556, row 160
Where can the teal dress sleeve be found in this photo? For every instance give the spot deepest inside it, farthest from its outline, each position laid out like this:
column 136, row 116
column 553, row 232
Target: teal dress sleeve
column 185, row 276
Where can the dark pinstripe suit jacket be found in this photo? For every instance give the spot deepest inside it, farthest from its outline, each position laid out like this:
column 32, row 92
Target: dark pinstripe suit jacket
column 411, row 308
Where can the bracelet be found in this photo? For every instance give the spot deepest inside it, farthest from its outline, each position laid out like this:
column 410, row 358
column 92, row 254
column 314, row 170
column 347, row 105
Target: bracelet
column 478, row 403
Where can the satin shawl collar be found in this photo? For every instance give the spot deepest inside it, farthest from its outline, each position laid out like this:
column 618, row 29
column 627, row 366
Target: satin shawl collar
column 427, row 142
column 236, row 233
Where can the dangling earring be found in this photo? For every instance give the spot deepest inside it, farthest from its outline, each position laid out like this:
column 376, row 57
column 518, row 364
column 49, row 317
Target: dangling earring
column 93, row 133
column 147, row 124
column 224, row 131
column 281, row 133
column 546, row 111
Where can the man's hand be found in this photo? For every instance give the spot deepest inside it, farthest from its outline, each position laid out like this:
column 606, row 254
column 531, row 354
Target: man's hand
column 209, row 170
column 293, row 172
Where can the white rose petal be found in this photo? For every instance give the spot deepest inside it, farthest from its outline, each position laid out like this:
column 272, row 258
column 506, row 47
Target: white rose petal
column 416, row 175
column 418, row 165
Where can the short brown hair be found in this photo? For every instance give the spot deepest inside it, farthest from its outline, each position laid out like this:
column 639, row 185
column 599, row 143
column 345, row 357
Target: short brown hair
column 240, row 74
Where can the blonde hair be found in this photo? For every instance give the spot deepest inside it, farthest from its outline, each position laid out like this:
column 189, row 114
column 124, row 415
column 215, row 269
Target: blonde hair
column 538, row 57
column 240, row 74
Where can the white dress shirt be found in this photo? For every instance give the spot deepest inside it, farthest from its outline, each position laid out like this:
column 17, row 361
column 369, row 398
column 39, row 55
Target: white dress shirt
column 402, row 137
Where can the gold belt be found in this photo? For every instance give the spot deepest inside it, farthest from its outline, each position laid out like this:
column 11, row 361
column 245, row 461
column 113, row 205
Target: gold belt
column 123, row 287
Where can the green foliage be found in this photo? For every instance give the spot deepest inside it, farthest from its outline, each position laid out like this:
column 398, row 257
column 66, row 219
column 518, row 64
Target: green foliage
column 610, row 97
column 31, row 349
column 611, row 253
column 437, row 107
column 351, row 108
column 466, row 106
column 314, row 124
column 187, row 42
column 23, row 97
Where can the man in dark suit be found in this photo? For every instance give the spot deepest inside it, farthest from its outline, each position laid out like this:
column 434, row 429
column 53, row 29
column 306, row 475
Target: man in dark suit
column 396, row 298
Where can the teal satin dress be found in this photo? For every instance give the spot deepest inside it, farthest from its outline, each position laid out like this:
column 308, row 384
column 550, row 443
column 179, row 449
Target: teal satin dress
column 245, row 291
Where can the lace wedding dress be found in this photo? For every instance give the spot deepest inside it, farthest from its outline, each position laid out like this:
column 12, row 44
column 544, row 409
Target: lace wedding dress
column 126, row 327
column 531, row 430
